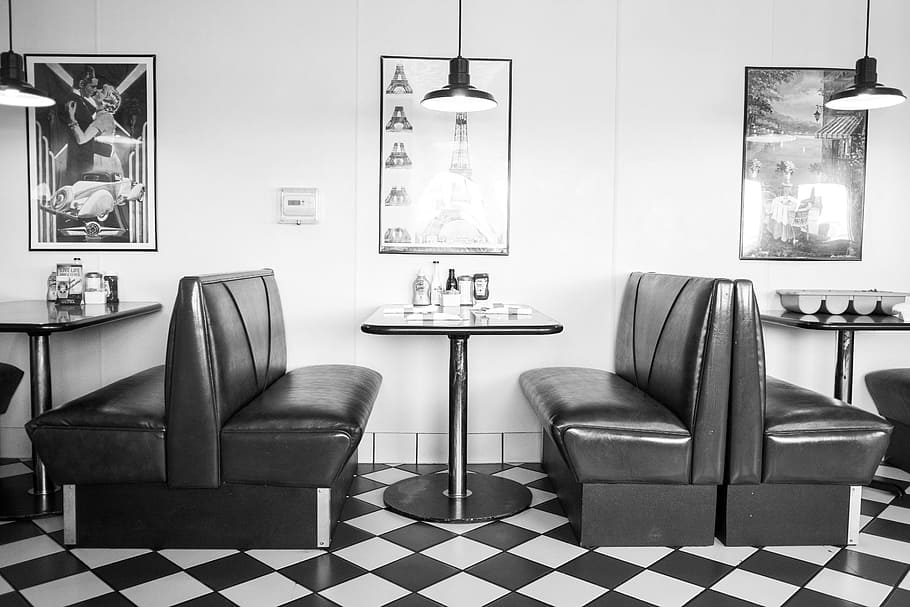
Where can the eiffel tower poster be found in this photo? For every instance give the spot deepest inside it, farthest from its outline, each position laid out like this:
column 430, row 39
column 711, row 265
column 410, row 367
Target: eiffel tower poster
column 444, row 177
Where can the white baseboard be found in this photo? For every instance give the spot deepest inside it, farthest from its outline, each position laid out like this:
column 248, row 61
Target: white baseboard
column 432, row 448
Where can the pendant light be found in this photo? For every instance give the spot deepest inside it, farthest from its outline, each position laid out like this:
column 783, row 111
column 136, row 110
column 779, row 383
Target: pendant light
column 14, row 88
column 866, row 93
column 458, row 95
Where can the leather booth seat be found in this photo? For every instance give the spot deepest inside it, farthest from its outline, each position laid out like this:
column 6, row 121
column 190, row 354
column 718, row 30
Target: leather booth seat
column 114, row 434
column 636, row 455
column 219, row 447
column 890, row 390
column 810, row 437
column 796, row 458
column 10, row 376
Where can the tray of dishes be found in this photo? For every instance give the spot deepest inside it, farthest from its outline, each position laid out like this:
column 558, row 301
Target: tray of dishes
column 814, row 301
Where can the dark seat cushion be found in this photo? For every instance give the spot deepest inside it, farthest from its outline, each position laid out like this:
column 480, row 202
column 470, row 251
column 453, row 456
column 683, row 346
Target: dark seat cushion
column 890, row 389
column 811, row 438
column 302, row 429
column 10, row 377
column 113, row 435
column 608, row 430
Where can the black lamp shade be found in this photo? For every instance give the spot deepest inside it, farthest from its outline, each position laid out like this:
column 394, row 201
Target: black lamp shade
column 458, row 95
column 866, row 93
column 14, row 88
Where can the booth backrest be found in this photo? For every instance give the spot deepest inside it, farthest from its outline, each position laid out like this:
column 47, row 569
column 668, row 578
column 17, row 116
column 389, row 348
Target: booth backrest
column 226, row 345
column 674, row 343
column 747, row 389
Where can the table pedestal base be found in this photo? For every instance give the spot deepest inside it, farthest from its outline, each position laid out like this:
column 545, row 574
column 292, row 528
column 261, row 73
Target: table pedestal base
column 18, row 500
column 424, row 498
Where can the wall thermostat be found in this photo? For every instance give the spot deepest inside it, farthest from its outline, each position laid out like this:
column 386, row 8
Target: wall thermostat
column 298, row 205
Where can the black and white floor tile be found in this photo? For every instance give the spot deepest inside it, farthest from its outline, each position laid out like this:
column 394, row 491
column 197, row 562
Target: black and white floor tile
column 531, row 559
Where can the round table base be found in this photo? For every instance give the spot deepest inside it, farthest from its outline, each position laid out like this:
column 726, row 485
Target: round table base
column 18, row 502
column 424, row 498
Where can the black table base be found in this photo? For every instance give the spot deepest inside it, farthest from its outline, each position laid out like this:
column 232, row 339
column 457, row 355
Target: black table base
column 18, row 500
column 426, row 498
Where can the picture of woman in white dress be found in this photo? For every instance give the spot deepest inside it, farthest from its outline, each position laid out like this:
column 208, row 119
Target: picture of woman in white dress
column 108, row 101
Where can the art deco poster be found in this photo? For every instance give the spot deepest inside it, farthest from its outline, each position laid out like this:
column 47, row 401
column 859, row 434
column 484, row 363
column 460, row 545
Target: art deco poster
column 91, row 156
column 444, row 176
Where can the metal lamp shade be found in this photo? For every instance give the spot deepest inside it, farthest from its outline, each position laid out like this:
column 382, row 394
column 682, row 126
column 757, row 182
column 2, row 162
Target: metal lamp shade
column 14, row 88
column 458, row 95
column 866, row 93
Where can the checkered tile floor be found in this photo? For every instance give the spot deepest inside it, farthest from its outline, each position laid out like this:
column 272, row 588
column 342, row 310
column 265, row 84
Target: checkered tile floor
column 380, row 558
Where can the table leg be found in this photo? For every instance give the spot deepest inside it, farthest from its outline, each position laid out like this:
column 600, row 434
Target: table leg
column 457, row 497
column 43, row 497
column 843, row 390
column 40, row 371
column 458, row 416
column 843, row 380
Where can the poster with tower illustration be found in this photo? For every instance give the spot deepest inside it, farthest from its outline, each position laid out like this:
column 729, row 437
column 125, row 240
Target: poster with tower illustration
column 444, row 176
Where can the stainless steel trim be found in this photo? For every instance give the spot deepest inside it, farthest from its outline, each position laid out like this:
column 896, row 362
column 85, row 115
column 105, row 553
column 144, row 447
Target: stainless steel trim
column 323, row 516
column 69, row 514
column 856, row 497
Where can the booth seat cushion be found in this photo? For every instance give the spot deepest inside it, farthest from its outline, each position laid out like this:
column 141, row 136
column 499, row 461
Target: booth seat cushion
column 811, row 438
column 890, row 389
column 113, row 435
column 608, row 430
column 302, row 429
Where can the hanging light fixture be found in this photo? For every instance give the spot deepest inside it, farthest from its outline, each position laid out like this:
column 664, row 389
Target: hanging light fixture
column 14, row 88
column 458, row 95
column 866, row 93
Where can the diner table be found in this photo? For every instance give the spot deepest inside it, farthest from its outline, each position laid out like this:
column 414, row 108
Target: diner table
column 39, row 319
column 457, row 496
column 844, row 326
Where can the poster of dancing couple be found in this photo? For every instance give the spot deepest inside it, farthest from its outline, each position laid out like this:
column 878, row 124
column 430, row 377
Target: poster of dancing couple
column 91, row 155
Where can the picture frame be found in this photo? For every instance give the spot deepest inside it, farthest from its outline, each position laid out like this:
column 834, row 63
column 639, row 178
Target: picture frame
column 92, row 155
column 444, row 178
column 804, row 167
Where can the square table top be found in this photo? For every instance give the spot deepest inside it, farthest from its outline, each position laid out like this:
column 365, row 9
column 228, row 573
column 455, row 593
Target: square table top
column 396, row 319
column 37, row 317
column 835, row 322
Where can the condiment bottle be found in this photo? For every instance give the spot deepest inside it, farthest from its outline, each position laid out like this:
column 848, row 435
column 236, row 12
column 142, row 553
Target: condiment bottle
column 435, row 285
column 451, row 281
column 421, row 289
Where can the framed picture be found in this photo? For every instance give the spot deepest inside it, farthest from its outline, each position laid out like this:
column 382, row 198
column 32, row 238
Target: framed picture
column 804, row 167
column 443, row 176
column 91, row 156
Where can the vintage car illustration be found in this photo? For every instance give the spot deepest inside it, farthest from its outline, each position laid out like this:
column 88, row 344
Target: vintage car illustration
column 93, row 206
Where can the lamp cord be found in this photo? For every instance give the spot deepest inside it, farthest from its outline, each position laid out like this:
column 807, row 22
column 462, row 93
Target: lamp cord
column 9, row 7
column 459, row 28
column 868, row 5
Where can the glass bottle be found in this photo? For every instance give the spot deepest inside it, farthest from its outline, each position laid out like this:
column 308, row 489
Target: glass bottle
column 451, row 281
column 435, row 285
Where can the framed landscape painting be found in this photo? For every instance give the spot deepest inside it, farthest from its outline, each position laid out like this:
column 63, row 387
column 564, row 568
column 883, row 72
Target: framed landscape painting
column 91, row 156
column 804, row 167
column 443, row 176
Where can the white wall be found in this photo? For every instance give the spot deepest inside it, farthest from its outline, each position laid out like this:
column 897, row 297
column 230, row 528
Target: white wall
column 252, row 97
column 615, row 105
column 680, row 113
